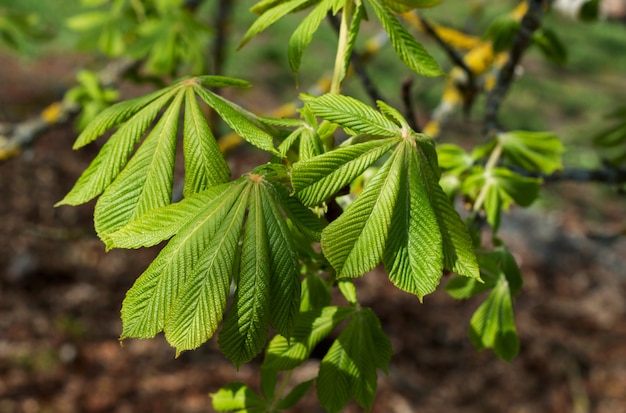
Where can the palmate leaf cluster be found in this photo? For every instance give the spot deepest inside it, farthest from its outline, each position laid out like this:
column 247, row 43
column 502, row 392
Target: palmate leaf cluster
column 411, row 52
column 252, row 258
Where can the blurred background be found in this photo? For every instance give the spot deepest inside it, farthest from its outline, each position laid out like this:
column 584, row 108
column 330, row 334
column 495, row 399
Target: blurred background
column 60, row 293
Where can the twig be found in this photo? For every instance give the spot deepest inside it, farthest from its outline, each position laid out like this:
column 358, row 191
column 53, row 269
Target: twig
column 529, row 23
column 221, row 24
column 606, row 174
column 452, row 54
column 409, row 110
column 359, row 67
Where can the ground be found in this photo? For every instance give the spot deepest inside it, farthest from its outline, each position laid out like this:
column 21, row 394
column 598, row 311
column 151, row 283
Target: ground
column 60, row 296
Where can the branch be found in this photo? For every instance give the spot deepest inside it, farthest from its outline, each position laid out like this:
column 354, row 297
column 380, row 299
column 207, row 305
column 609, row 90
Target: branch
column 358, row 67
column 452, row 54
column 17, row 136
column 409, row 110
column 529, row 23
column 607, row 174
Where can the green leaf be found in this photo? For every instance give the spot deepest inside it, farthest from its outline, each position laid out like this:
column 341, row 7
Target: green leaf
column 239, row 398
column 352, row 115
column 503, row 188
column 589, row 11
column 402, row 6
column 146, row 181
column 493, row 325
column 269, row 378
column 458, row 251
column 453, row 158
column 247, row 125
column 204, row 164
column 245, row 329
column 349, row 367
column 354, row 243
column 162, row 223
column 303, row 35
column 302, row 217
column 149, row 302
column 295, row 395
column 316, row 179
column 114, row 154
column 311, row 327
column 533, row 151
column 413, row 54
column 413, row 257
column 284, row 267
column 200, row 304
column 502, row 31
column 269, row 17
column 315, row 293
column 550, row 45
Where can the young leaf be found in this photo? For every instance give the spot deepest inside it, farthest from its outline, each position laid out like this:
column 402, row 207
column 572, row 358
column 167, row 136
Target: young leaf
column 311, row 327
column 146, row 181
column 284, row 266
column 148, row 303
column 247, row 125
column 407, row 48
column 204, row 164
column 245, row 329
column 316, row 179
column 354, row 243
column 239, row 398
column 315, row 294
column 114, row 154
column 201, row 300
column 353, row 116
column 493, row 325
column 533, row 151
column 269, row 17
column 349, row 368
column 162, row 223
column 303, row 35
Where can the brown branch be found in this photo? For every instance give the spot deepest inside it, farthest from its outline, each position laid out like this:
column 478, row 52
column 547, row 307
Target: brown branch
column 409, row 110
column 529, row 23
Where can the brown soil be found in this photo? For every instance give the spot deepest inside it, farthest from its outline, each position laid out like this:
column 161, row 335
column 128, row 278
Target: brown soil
column 60, row 296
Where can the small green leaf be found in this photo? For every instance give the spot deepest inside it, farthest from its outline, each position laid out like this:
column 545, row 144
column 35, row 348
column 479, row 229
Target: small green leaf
column 247, row 125
column 550, row 45
column 407, row 48
column 354, row 243
column 533, row 151
column 239, row 398
column 162, row 223
column 149, row 302
column 402, row 6
column 453, row 158
column 315, row 294
column 269, row 17
column 311, row 327
column 114, row 154
column 245, row 329
column 349, row 367
column 204, row 164
column 502, row 31
column 493, row 325
column 303, row 35
column 316, row 179
column 146, row 181
column 352, row 115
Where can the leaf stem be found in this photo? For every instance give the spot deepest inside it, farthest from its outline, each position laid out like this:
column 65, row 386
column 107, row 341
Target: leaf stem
column 281, row 388
column 491, row 163
column 342, row 47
